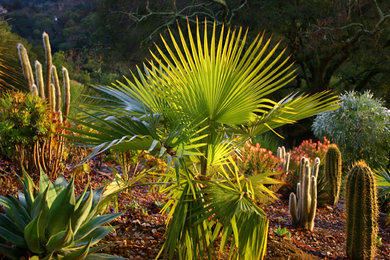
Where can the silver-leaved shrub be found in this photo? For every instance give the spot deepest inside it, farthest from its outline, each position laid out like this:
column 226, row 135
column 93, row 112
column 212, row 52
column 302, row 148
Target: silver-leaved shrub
column 360, row 127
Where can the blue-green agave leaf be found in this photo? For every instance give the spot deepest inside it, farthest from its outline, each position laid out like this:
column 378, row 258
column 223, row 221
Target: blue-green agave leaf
column 61, row 210
column 94, row 223
column 31, row 236
column 61, row 239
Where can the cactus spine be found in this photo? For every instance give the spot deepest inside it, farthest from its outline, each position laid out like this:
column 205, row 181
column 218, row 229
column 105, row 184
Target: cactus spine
column 284, row 158
column 303, row 205
column 332, row 169
column 362, row 212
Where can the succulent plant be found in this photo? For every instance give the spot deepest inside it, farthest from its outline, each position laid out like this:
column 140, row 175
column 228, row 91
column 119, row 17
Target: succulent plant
column 333, row 172
column 50, row 154
column 284, row 158
column 303, row 205
column 362, row 212
column 49, row 222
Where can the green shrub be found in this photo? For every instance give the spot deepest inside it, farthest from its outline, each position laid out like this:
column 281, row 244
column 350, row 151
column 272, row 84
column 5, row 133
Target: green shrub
column 50, row 222
column 358, row 127
column 24, row 119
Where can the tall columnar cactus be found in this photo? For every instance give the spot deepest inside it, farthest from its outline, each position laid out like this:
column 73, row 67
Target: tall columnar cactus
column 48, row 58
column 39, row 78
column 284, row 158
column 48, row 154
column 362, row 212
column 65, row 76
column 332, row 169
column 303, row 205
column 45, row 84
column 26, row 66
column 57, row 96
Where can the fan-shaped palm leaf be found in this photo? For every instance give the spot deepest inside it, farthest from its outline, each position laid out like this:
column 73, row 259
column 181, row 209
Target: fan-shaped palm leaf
column 191, row 100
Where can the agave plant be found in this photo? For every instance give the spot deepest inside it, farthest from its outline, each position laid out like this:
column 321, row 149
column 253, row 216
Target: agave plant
column 50, row 223
column 193, row 104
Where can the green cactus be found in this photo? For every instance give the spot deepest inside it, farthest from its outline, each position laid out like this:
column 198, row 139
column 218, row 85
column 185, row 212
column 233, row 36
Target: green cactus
column 303, row 205
column 362, row 212
column 332, row 169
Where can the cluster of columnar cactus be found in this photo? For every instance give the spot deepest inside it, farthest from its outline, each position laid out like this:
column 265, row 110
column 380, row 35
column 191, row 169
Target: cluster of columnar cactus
column 284, row 158
column 48, row 155
column 47, row 87
column 303, row 205
column 362, row 212
column 333, row 172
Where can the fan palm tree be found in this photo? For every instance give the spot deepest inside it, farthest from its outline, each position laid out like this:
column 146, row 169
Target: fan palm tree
column 194, row 102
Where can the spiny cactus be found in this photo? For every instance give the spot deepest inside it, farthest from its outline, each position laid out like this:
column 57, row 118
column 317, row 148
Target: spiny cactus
column 56, row 82
column 45, row 84
column 48, row 58
column 362, row 212
column 34, row 90
column 26, row 66
column 39, row 78
column 65, row 76
column 332, row 169
column 303, row 205
column 48, row 155
column 284, row 158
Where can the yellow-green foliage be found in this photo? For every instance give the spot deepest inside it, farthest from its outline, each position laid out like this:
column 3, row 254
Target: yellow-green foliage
column 24, row 119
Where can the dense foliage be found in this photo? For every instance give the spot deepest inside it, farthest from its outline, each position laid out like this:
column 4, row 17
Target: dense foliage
column 359, row 127
column 24, row 120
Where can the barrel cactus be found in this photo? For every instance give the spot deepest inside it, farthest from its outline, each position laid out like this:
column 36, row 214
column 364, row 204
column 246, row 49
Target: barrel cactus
column 51, row 223
column 333, row 172
column 303, row 205
column 362, row 212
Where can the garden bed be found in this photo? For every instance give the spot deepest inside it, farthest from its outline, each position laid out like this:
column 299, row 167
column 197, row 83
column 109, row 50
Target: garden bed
column 140, row 230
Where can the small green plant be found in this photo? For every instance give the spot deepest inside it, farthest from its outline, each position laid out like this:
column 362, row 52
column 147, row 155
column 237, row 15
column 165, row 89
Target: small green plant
column 383, row 183
column 282, row 232
column 379, row 241
column 24, row 120
column 359, row 128
column 362, row 212
column 333, row 172
column 49, row 222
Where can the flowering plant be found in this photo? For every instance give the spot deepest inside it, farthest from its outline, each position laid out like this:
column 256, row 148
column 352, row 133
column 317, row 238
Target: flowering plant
column 309, row 150
column 254, row 159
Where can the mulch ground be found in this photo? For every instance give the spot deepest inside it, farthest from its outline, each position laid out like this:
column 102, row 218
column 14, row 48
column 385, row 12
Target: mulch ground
column 140, row 229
